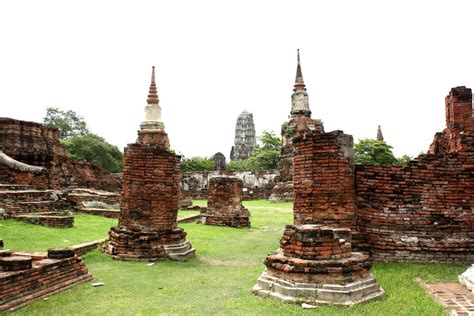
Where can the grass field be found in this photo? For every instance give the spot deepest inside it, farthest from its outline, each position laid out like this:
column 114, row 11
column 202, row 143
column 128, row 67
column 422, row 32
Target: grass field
column 217, row 281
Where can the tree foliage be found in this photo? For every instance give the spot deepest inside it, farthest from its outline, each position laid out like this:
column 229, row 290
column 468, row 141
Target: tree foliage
column 70, row 124
column 373, row 152
column 197, row 164
column 96, row 150
column 267, row 153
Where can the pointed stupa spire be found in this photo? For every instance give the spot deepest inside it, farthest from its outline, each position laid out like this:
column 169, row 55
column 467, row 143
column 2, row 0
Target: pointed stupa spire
column 152, row 94
column 299, row 82
column 379, row 134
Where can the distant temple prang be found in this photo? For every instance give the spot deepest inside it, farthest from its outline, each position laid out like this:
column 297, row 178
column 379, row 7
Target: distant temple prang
column 379, row 134
column 244, row 141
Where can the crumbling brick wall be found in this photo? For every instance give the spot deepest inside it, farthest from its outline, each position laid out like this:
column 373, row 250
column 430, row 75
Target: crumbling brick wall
column 420, row 212
column 324, row 179
column 423, row 211
column 38, row 145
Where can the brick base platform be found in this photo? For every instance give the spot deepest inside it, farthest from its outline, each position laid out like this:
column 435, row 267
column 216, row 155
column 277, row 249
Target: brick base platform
column 150, row 244
column 19, row 284
column 315, row 265
column 320, row 294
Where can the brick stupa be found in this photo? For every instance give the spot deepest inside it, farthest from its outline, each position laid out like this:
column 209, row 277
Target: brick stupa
column 147, row 228
column 315, row 263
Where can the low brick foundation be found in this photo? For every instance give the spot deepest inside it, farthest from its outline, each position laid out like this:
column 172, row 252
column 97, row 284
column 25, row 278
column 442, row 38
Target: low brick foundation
column 224, row 206
column 47, row 219
column 315, row 265
column 20, row 284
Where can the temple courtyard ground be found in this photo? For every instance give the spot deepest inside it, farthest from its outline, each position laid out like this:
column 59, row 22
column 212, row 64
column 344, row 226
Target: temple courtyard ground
column 218, row 280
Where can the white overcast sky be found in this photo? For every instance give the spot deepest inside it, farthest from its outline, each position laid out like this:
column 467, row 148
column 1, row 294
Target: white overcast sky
column 364, row 63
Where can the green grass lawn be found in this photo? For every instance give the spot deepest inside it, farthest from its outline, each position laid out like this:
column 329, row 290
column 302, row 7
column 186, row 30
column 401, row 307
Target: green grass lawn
column 217, row 281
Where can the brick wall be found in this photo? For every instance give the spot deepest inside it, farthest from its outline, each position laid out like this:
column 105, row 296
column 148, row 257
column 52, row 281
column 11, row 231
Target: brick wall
column 419, row 212
column 423, row 211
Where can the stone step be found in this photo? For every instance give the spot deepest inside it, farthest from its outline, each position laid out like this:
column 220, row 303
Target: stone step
column 180, row 252
column 319, row 294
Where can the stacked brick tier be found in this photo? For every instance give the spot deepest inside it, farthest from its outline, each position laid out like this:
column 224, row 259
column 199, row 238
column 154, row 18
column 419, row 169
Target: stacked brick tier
column 420, row 212
column 315, row 265
column 28, row 276
column 323, row 179
column 224, row 205
column 38, row 145
column 149, row 206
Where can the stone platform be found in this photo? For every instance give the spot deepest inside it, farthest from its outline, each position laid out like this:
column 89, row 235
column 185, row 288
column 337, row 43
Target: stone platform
column 28, row 276
column 315, row 265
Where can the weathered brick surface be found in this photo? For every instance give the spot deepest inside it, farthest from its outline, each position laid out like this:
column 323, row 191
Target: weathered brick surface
column 459, row 132
column 150, row 187
column 423, row 211
column 323, row 179
column 46, row 276
column 38, row 145
column 224, row 205
column 420, row 212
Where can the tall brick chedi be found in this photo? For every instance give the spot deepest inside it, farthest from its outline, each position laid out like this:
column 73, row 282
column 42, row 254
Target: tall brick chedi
column 147, row 226
column 315, row 263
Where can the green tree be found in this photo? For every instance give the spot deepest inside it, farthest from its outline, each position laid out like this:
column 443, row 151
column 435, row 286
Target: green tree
column 70, row 124
column 197, row 164
column 236, row 165
column 96, row 150
column 373, row 152
column 267, row 154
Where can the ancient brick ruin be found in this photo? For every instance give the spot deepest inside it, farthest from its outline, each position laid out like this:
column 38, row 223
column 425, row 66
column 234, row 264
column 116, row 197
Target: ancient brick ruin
column 224, row 204
column 315, row 263
column 147, row 226
column 423, row 211
column 244, row 141
column 37, row 158
column 25, row 277
column 300, row 121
